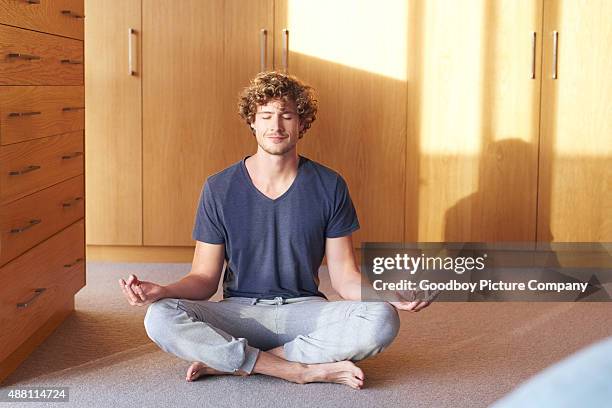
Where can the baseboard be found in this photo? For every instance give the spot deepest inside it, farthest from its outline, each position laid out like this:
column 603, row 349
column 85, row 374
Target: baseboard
column 141, row 254
column 148, row 254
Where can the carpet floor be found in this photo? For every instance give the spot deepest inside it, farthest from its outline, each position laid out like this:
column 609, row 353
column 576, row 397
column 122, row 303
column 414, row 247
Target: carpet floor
column 449, row 355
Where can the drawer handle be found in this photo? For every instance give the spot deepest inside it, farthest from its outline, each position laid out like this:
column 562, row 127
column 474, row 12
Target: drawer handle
column 70, row 61
column 78, row 260
column 70, row 13
column 16, row 114
column 73, row 201
column 24, row 171
column 23, row 56
column 72, row 108
column 72, row 155
column 27, row 227
column 33, row 1
column 37, row 293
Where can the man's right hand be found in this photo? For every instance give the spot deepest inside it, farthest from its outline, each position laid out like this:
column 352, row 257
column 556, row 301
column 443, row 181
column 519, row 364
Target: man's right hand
column 141, row 293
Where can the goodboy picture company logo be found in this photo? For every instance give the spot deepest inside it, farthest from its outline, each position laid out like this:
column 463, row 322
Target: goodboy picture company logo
column 487, row 271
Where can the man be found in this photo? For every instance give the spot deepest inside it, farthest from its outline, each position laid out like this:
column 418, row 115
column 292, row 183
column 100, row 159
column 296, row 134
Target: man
column 272, row 217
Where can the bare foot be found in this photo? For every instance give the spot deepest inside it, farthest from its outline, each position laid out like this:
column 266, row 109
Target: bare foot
column 197, row 369
column 342, row 372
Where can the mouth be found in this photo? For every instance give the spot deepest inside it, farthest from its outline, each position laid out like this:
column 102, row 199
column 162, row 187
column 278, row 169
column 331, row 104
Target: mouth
column 277, row 138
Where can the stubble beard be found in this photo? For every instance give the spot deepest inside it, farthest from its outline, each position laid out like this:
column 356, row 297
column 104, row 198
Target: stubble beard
column 276, row 150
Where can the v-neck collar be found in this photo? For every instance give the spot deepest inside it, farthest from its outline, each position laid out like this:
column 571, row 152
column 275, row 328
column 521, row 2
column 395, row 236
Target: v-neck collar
column 249, row 181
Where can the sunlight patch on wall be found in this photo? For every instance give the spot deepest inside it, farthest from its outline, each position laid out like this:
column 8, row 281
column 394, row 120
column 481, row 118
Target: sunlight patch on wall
column 367, row 35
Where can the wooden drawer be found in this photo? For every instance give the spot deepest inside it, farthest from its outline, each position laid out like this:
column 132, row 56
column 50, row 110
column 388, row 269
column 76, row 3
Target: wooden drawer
column 32, row 112
column 61, row 17
column 57, row 266
column 32, row 219
column 31, row 58
column 30, row 166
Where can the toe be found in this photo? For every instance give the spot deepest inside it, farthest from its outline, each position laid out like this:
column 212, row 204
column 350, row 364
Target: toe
column 192, row 371
column 353, row 383
column 358, row 372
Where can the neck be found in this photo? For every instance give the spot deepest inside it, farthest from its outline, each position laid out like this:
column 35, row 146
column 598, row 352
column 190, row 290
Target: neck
column 270, row 167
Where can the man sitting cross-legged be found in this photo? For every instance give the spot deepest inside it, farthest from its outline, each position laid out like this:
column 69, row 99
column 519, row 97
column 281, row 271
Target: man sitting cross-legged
column 271, row 217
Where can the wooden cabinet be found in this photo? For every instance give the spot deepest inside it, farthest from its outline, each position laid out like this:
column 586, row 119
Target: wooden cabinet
column 440, row 114
column 114, row 122
column 24, row 223
column 42, row 237
column 38, row 287
column 61, row 17
column 30, row 112
column 191, row 129
column 30, row 166
column 575, row 185
column 148, row 156
column 473, row 120
column 249, row 46
column 33, row 58
column 360, row 130
column 183, row 131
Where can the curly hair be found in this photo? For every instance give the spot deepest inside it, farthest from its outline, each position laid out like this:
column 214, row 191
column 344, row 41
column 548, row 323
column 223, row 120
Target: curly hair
column 277, row 85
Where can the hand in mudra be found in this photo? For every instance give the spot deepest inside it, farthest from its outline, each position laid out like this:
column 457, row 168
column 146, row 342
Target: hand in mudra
column 141, row 293
column 414, row 301
column 415, row 306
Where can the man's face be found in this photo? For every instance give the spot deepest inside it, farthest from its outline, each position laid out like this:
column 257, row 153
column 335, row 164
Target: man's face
column 277, row 126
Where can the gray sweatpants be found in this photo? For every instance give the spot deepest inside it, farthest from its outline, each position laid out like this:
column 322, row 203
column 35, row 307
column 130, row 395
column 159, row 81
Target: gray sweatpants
column 228, row 335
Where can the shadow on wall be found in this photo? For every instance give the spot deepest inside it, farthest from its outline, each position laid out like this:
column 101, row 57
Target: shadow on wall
column 502, row 209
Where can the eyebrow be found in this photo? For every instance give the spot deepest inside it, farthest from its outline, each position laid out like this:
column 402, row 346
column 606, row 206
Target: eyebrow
column 282, row 111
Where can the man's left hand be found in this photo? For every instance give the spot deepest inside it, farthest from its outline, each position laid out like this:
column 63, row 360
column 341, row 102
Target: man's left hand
column 415, row 306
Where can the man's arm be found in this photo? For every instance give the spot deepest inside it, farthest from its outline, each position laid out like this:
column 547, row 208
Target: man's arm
column 343, row 272
column 203, row 279
column 199, row 284
column 345, row 275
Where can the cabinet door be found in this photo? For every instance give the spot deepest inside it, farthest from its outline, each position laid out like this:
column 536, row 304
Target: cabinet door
column 354, row 55
column 575, row 201
column 473, row 105
column 113, row 122
column 248, row 50
column 184, row 136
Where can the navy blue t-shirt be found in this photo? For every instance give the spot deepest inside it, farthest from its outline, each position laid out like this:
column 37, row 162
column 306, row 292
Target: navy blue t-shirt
column 274, row 247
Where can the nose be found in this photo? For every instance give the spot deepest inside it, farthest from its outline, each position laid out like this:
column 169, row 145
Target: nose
column 276, row 123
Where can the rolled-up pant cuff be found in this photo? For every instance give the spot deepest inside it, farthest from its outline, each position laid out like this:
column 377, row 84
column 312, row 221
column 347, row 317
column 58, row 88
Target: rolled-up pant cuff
column 250, row 358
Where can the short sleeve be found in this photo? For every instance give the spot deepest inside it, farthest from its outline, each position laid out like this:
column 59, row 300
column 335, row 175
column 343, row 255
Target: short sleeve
column 207, row 227
column 343, row 220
